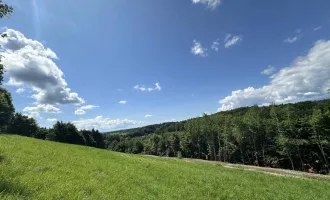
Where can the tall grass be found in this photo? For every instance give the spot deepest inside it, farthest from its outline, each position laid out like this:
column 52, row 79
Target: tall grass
column 36, row 169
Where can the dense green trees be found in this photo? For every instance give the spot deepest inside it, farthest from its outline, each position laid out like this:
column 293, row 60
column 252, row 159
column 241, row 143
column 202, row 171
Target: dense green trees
column 5, row 10
column 6, row 109
column 22, row 125
column 293, row 136
column 6, row 106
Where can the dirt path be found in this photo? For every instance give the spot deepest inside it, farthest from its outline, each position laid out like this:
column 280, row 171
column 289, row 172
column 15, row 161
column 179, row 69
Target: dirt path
column 266, row 170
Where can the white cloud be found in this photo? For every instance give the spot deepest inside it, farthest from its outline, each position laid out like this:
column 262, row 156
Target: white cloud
column 227, row 37
column 269, row 70
column 82, row 109
column 33, row 115
column 79, row 112
column 197, row 49
column 231, row 40
column 147, row 116
column 298, row 30
column 215, row 45
column 149, row 89
column 157, row 87
column 291, row 39
column 52, row 119
column 123, row 102
column 20, row 90
column 30, row 64
column 317, row 28
column 169, row 120
column 308, row 78
column 47, row 108
column 88, row 107
column 209, row 3
column 104, row 124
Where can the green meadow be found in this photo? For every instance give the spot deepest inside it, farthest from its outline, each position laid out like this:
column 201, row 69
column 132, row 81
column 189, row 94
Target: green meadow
column 37, row 169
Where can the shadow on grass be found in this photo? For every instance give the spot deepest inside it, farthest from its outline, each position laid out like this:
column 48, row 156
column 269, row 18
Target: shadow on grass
column 9, row 189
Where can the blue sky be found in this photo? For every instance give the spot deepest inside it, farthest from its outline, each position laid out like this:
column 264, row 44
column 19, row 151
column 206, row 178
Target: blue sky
column 204, row 56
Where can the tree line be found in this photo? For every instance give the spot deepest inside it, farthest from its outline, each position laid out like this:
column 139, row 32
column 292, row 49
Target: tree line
column 17, row 123
column 291, row 136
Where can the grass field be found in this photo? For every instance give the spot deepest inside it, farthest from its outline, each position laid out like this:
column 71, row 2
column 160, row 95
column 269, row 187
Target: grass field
column 36, row 169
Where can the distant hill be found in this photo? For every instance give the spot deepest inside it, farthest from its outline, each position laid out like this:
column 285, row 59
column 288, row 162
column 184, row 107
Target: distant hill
column 291, row 136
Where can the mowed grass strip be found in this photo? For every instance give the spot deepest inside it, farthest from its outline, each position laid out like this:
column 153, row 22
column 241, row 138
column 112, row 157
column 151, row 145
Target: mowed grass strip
column 37, row 169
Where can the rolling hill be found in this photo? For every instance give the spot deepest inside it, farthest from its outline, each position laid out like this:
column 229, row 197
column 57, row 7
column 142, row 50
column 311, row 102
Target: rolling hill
column 37, row 169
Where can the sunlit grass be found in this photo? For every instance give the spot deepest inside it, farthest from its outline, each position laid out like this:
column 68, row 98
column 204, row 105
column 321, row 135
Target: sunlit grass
column 36, row 169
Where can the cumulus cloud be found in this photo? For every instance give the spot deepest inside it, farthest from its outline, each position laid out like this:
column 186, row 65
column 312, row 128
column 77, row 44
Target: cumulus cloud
column 147, row 116
column 47, row 108
column 209, row 3
column 269, row 70
column 123, row 102
column 231, row 40
column 30, row 64
column 82, row 109
column 20, row 90
column 215, row 45
column 104, row 124
column 198, row 50
column 148, row 89
column 307, row 78
column 33, row 115
column 52, row 119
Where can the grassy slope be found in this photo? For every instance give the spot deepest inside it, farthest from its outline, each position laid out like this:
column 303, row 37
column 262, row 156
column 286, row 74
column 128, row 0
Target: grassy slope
column 36, row 169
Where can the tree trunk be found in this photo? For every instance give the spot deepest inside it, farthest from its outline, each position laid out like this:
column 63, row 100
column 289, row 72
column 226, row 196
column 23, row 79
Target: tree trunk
column 290, row 159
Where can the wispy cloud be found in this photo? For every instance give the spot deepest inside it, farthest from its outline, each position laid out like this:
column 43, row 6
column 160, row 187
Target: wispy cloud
column 148, row 89
column 215, row 45
column 20, row 90
column 36, row 17
column 148, row 116
column 294, row 38
column 269, row 70
column 231, row 40
column 317, row 28
column 198, row 50
column 123, row 102
column 82, row 109
column 291, row 39
column 212, row 4
column 79, row 112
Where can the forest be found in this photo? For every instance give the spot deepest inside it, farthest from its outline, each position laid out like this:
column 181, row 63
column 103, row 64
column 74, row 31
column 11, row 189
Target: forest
column 292, row 136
